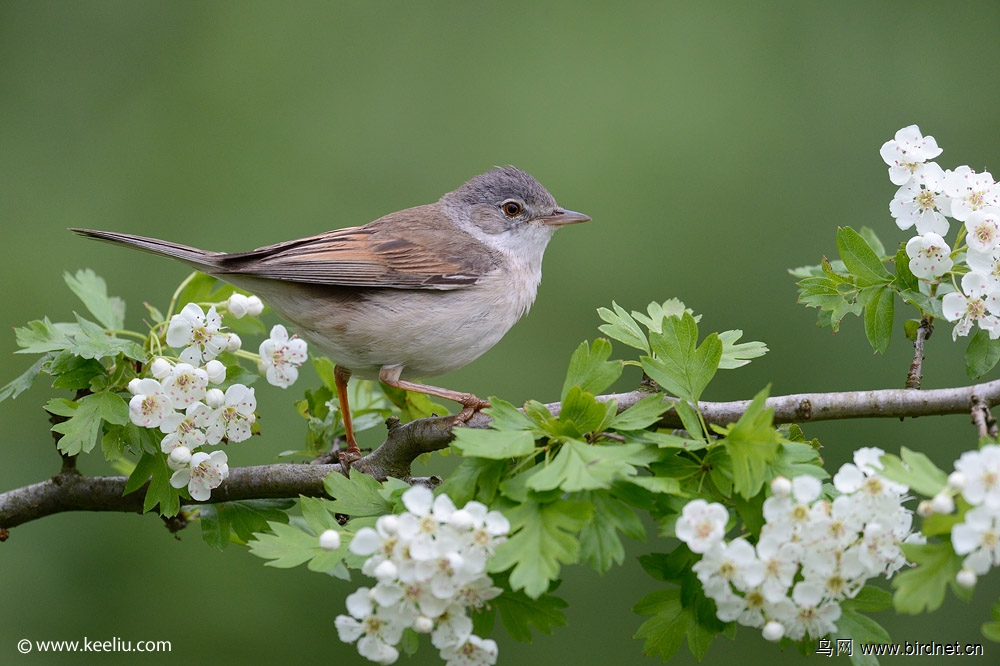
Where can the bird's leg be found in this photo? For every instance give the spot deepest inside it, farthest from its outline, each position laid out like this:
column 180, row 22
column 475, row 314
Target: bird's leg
column 341, row 375
column 389, row 375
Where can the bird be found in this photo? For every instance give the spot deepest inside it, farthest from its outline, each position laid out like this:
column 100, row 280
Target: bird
column 417, row 293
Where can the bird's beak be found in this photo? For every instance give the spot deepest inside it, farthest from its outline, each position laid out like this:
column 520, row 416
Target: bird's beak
column 562, row 216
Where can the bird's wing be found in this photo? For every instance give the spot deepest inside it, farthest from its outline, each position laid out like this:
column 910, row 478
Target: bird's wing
column 410, row 249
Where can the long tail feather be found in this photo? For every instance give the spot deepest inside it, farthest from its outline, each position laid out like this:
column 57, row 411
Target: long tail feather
column 192, row 256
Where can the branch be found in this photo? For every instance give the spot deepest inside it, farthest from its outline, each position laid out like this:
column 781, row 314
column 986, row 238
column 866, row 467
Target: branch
column 72, row 491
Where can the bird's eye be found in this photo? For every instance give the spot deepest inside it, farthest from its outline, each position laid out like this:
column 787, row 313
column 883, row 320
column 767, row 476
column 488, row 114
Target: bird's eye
column 511, row 208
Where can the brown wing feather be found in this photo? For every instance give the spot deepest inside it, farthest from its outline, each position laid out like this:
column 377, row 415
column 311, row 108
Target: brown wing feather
column 410, row 249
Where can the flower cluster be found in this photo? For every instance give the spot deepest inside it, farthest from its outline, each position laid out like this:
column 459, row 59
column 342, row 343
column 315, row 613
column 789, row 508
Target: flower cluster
column 811, row 553
column 977, row 478
column 928, row 195
column 430, row 566
column 177, row 398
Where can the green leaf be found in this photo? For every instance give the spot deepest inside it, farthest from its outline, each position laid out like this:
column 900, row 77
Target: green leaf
column 921, row 589
column 92, row 341
column 675, row 618
column 870, row 599
column 752, row 444
column 75, row 373
column 991, row 630
column 873, row 242
column 241, row 519
column 860, row 259
column 520, row 613
column 642, row 414
column 79, row 432
column 93, row 291
column 581, row 466
column 493, row 444
column 318, row 513
column 506, row 416
column 285, row 547
column 879, row 311
column 22, row 383
column 542, row 538
column 152, row 467
column 582, row 414
column 680, row 366
column 915, row 470
column 600, row 546
column 795, row 459
column 825, row 293
column 737, row 355
column 475, row 479
column 590, row 369
column 981, row 355
column 356, row 496
column 905, row 279
column 42, row 336
column 861, row 629
column 671, row 307
column 622, row 327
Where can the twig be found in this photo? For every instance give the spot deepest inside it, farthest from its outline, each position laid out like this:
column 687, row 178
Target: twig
column 72, row 491
column 916, row 371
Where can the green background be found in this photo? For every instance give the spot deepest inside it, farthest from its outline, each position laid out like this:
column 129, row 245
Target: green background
column 714, row 144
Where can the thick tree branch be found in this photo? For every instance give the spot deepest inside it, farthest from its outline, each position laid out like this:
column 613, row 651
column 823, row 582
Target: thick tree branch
column 71, row 491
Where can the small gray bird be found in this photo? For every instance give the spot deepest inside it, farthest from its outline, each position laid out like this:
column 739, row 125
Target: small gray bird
column 416, row 293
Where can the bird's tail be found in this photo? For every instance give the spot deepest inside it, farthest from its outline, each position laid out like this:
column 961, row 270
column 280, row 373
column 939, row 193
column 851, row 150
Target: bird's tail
column 202, row 260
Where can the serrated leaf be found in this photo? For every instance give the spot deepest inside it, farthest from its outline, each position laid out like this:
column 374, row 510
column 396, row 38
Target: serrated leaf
column 92, row 341
column 581, row 466
column 622, row 327
column 581, row 414
column 981, row 354
column 675, row 619
column 79, row 432
column 520, row 613
column 356, row 496
column 642, row 414
column 915, row 470
column 795, row 459
column 671, row 307
column 93, row 291
column 737, row 355
column 869, row 599
column 921, row 588
column 860, row 259
column 879, row 306
column 285, row 547
column 681, row 366
column 543, row 537
column 752, row 444
column 41, row 336
column 22, row 383
column 317, row 513
column 862, row 630
column 905, row 279
column 506, row 416
column 244, row 517
column 600, row 546
column 590, row 369
column 493, row 444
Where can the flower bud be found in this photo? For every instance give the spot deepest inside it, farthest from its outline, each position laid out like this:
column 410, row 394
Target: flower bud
column 216, row 371
column 423, row 625
column 179, row 458
column 233, row 342
column 781, row 486
column 160, row 368
column 385, row 571
column 329, row 540
column 956, row 481
column 133, row 386
column 773, row 631
column 238, row 305
column 215, row 398
column 966, row 578
column 943, row 503
column 254, row 306
column 925, row 509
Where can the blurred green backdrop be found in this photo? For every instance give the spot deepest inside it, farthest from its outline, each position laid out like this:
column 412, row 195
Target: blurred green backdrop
column 714, row 145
